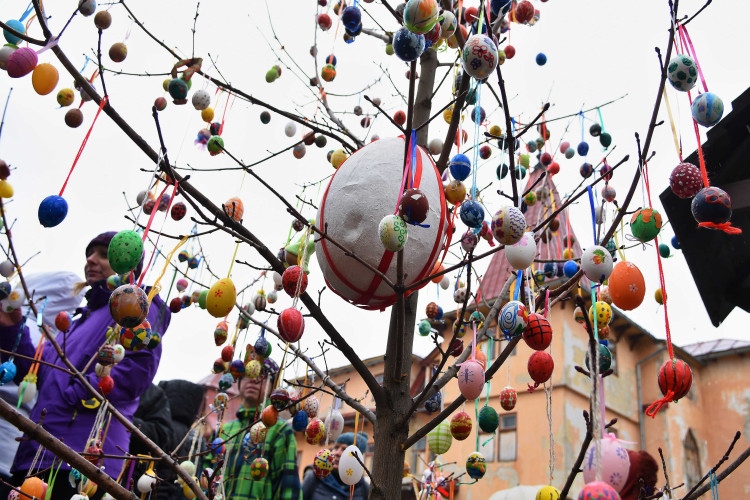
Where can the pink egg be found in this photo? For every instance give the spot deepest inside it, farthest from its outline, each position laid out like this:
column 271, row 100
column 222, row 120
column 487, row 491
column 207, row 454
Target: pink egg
column 21, row 62
column 470, row 379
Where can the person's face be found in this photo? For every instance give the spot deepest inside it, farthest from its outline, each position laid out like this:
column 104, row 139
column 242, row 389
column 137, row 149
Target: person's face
column 97, row 265
column 337, row 450
column 250, row 391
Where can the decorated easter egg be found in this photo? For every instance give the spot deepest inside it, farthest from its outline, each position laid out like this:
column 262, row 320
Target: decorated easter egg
column 424, row 328
column 479, row 56
column 253, row 369
column 508, row 398
column 602, row 312
column 350, row 465
column 8, row 372
column 258, row 468
column 408, row 46
column 393, row 232
column 433, row 403
column 258, row 433
column 280, row 398
column 707, row 108
column 524, row 12
column 540, row 366
column 202, row 298
column 291, row 324
column 315, row 431
column 488, row 419
column 221, row 298
column 460, row 167
column 476, row 465
column 201, row 99
column 178, row 211
column 675, row 379
column 62, row 321
column 461, row 425
column 136, row 338
column 125, row 251
column 364, row 188
column 128, row 306
column 299, row 421
column 548, row 493
column 605, row 358
column 609, row 193
column 685, row 180
column 439, row 439
column 420, row 16
column 34, row 487
column 570, row 268
column 334, row 424
column 626, row 286
column 432, row 310
column 323, row 463
column 448, row 24
column 52, row 211
column 455, row 192
column 614, row 464
column 508, row 225
column 413, row 207
column 682, row 73
column 538, row 332
column 645, row 224
column 459, row 296
column 596, row 263
column 586, row 170
column 598, row 490
column 269, row 416
column 472, row 214
column 311, row 406
column 21, row 62
column 711, row 205
column 522, row 254
column 470, row 379
column 234, row 208
column 338, row 157
column 469, row 241
column 513, row 318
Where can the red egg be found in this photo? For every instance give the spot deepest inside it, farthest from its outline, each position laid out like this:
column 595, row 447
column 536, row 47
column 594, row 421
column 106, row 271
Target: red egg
column 291, row 324
column 524, row 12
column 178, row 211
column 62, row 321
column 485, row 152
column 461, row 425
column 538, row 332
column 413, row 206
column 545, row 159
column 227, row 353
column 686, row 180
column 510, row 51
column 609, row 193
column 292, row 275
column 470, row 14
column 269, row 416
column 175, row 305
column 106, row 384
column 160, row 103
column 432, row 310
column 400, row 117
column 540, row 366
column 553, row 168
column 508, row 398
column 675, row 378
column 324, row 21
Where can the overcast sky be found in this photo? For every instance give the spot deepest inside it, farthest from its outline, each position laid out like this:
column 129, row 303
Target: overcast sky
column 597, row 51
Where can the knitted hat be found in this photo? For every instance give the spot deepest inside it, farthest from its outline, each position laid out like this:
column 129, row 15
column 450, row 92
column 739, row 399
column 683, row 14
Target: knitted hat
column 642, row 466
column 348, row 439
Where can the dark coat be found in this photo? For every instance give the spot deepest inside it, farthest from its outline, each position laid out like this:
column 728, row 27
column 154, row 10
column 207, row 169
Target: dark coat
column 330, row 488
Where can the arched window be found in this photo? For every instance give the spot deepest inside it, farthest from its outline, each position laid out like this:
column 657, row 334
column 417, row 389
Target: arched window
column 692, row 460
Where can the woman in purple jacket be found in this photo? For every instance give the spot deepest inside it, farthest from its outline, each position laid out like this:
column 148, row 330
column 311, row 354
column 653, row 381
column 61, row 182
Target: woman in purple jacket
column 61, row 396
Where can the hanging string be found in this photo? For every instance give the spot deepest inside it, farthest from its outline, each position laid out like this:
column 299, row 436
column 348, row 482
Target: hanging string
column 677, row 146
column 83, row 144
column 714, row 485
column 155, row 288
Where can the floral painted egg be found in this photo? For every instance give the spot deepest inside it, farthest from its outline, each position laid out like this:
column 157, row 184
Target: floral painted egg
column 455, row 192
column 420, row 16
column 221, row 298
column 538, row 332
column 258, row 469
column 128, row 306
column 626, row 286
column 615, row 462
column 299, row 421
column 311, row 406
column 448, row 24
column 220, row 333
column 476, row 466
column 682, row 73
column 439, row 439
column 548, row 493
column 540, row 366
column 470, row 380
column 707, row 109
column 315, row 431
column 603, row 313
column 461, row 425
column 272, row 297
column 513, row 318
column 508, row 225
column 291, row 324
column 522, row 254
column 508, row 398
column 488, row 419
column 598, row 490
column 675, row 378
column 605, row 358
column 323, row 463
column 479, row 56
column 350, row 465
column 711, row 205
column 125, row 251
column 645, row 224
column 258, row 433
column 596, row 263
column 393, row 232
column 686, row 180
column 334, row 423
column 472, row 214
column 408, row 46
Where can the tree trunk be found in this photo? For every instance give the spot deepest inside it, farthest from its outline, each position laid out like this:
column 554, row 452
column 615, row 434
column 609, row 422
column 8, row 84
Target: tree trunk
column 388, row 462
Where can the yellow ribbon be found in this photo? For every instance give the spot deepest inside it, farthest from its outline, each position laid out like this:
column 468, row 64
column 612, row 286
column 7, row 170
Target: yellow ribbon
column 156, row 287
column 671, row 124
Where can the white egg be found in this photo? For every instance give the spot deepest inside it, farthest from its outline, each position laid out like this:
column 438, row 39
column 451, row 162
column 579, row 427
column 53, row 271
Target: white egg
column 522, row 254
column 350, row 470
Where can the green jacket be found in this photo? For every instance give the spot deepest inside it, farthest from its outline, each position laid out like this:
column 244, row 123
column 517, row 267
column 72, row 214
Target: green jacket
column 281, row 482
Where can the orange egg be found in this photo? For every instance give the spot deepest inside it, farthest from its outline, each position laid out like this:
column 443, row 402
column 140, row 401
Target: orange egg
column 481, row 359
column 34, row 487
column 626, row 286
column 437, row 269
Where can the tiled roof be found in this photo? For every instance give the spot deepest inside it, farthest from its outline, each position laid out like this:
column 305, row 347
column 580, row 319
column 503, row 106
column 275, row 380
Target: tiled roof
column 714, row 347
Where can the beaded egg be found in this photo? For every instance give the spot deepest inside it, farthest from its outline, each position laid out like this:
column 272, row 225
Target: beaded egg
column 128, row 306
column 508, row 225
column 291, row 324
column 393, row 232
column 479, row 56
column 439, row 439
column 707, row 109
column 513, row 318
column 540, row 366
column 461, row 425
column 476, row 465
column 711, row 205
column 508, row 398
column 645, row 224
column 125, row 251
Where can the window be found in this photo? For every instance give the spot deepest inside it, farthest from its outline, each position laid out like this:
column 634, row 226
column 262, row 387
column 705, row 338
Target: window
column 487, row 445
column 692, row 460
column 485, row 348
column 507, row 438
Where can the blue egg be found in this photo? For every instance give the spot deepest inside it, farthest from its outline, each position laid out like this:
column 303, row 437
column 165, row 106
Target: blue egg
column 586, row 170
column 408, row 46
column 712, row 205
column 664, row 250
column 351, row 17
column 299, row 422
column 52, row 210
column 583, row 148
column 500, row 6
column 570, row 268
column 5, row 290
column 707, row 109
column 16, row 25
column 331, row 60
column 675, row 243
column 7, row 372
column 502, row 171
column 439, row 314
column 549, row 269
column 541, row 59
column 539, row 277
column 478, row 115
column 460, row 167
column 532, row 146
column 472, row 214
column 433, row 403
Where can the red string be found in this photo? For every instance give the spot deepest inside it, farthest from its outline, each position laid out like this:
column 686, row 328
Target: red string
column 727, row 227
column 654, row 408
column 83, row 144
column 691, row 50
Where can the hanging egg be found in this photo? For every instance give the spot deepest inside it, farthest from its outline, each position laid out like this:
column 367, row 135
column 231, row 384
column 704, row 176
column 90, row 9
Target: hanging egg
column 136, row 338
column 707, row 108
column 161, row 104
column 548, row 493
column 420, row 16
column 461, row 425
column 470, row 380
column 605, row 358
column 604, row 294
column 598, row 490
column 603, row 313
column 645, row 224
column 522, row 254
column 614, row 463
column 626, row 286
column 393, row 232
column 513, row 318
column 323, row 463
column 413, row 206
column 219, row 366
column 178, row 211
column 272, row 297
column 311, row 406
column 221, row 298
column 439, row 439
column 103, row 20
column 125, row 251
column 712, row 205
column 455, row 192
column 258, row 469
column 234, row 208
column 408, row 46
column 44, row 78
column 675, row 378
column 324, row 22
column 128, row 306
column 424, row 328
column 181, row 284
column 664, row 250
column 8, row 372
column 596, row 263
column 315, row 431
column 476, row 466
column 201, row 99
column 106, row 355
column 579, row 315
column 299, row 421
column 21, row 62
column 586, row 170
column 62, row 321
column 350, row 465
column 583, row 148
column 433, row 403
column 538, row 332
column 435, row 146
column 448, row 24
column 291, row 324
column 227, row 353
column 215, row 146
column 472, row 214
column 488, row 419
column 685, row 180
column 479, row 56
column 524, row 12
column 334, row 425
column 570, row 268
column 508, row 398
column 7, row 269
column 459, row 296
column 34, row 487
column 258, row 432
column 540, row 366
column 253, row 369
column 118, row 52
column 469, row 241
column 106, row 385
column 609, row 193
column 508, row 225
column 269, row 416
column 432, row 310
column 338, row 157
column 28, row 389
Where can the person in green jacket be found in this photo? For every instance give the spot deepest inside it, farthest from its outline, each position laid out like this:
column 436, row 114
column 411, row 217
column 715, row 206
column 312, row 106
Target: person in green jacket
column 282, row 480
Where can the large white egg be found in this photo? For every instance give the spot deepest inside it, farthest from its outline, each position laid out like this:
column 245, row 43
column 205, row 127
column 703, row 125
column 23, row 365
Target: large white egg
column 350, row 470
column 596, row 263
column 522, row 254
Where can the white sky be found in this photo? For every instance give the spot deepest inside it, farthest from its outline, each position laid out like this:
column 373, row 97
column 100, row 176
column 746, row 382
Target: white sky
column 597, row 51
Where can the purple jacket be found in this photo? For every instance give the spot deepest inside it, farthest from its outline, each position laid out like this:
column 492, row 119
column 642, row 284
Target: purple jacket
column 61, row 395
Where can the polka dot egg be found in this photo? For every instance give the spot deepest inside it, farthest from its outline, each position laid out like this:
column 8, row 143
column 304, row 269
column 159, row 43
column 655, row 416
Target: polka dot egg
column 682, row 72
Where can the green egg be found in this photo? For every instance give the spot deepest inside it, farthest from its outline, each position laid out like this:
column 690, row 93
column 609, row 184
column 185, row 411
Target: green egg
column 125, row 251
column 202, row 299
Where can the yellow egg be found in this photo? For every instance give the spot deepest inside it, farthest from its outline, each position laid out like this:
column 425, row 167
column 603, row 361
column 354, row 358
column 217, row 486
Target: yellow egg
column 66, row 97
column 44, row 78
column 221, row 298
column 448, row 114
column 165, row 84
column 338, row 157
column 6, row 190
column 496, row 130
column 603, row 313
column 207, row 115
column 658, row 295
column 568, row 253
